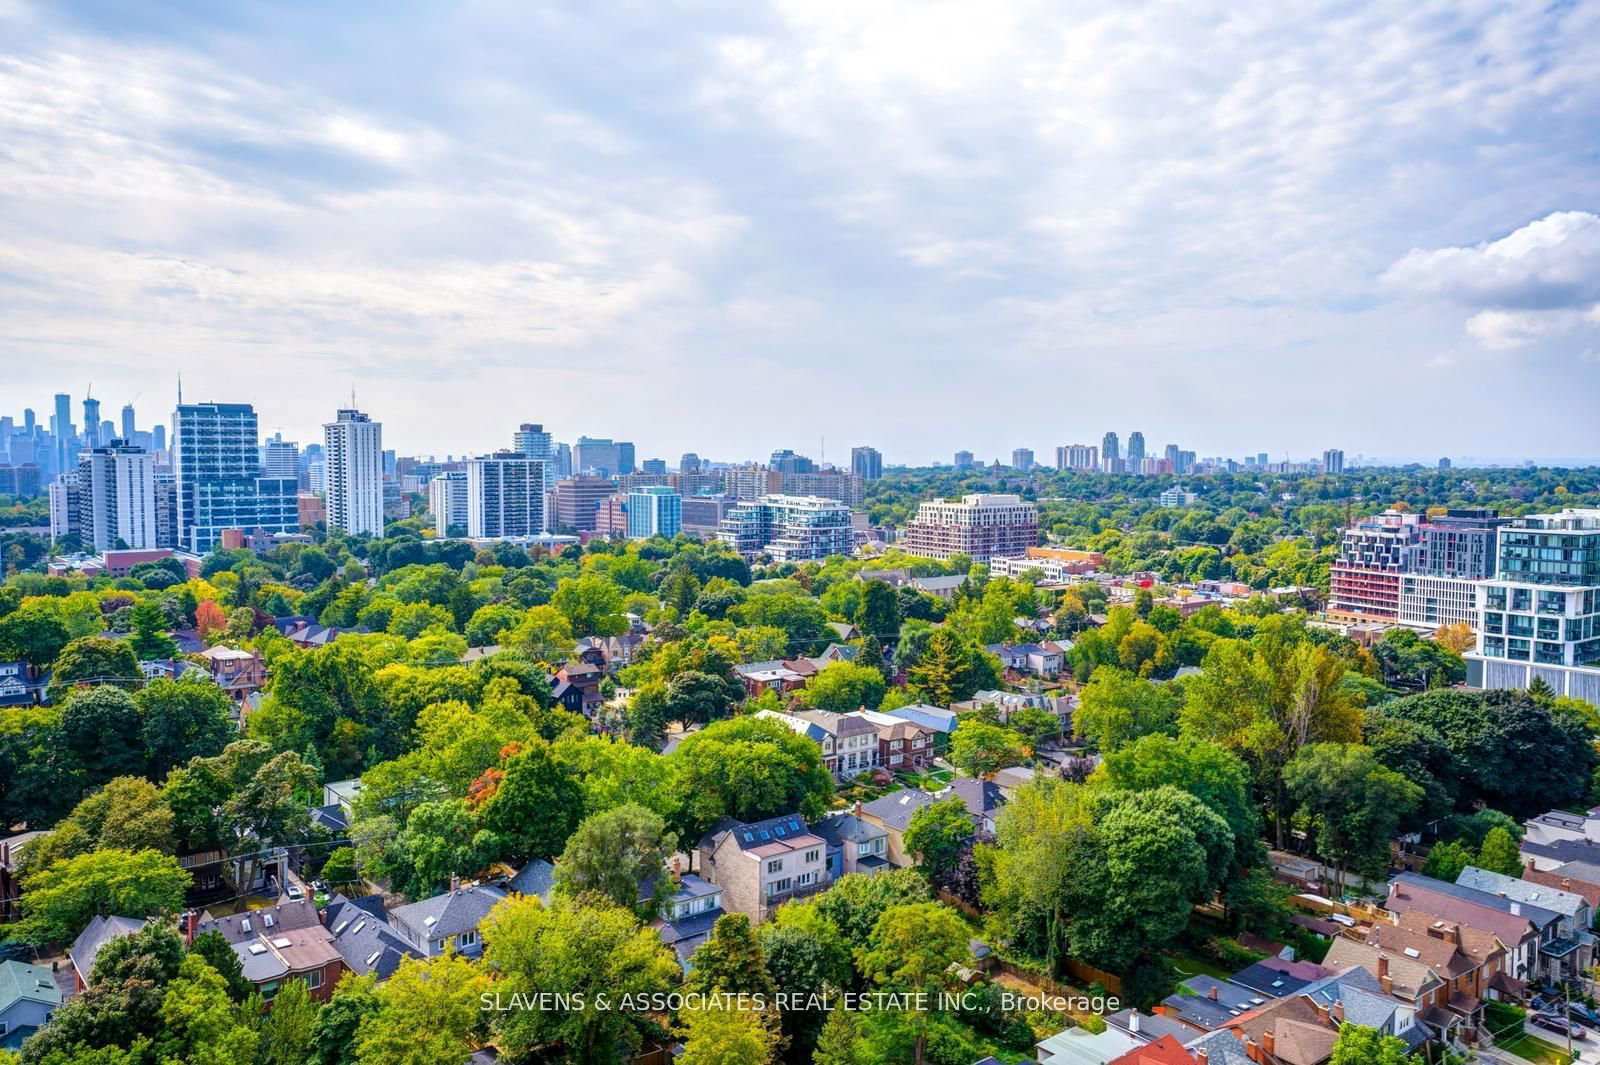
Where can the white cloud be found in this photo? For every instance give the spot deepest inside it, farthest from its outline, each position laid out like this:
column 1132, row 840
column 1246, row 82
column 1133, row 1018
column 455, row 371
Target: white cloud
column 1540, row 280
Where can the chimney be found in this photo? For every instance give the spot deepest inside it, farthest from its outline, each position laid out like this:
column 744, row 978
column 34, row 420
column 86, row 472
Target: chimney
column 1322, row 1015
column 856, row 809
column 455, row 883
column 1383, row 966
column 1338, row 1013
column 1530, row 865
column 1252, row 1051
column 1565, row 883
column 191, row 924
column 1133, row 1022
column 1212, row 994
column 1268, row 1043
column 322, row 916
column 1202, row 1056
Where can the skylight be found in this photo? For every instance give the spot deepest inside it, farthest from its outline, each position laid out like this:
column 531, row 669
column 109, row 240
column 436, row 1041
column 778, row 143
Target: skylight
column 257, row 948
column 359, row 926
column 245, row 924
column 374, row 957
column 281, row 942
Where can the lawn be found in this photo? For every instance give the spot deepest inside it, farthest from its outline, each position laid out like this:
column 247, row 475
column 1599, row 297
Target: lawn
column 1188, row 965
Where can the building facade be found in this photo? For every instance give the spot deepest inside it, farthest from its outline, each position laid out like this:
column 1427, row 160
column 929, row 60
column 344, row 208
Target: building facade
column 1078, row 457
column 789, row 528
column 578, row 500
column 866, row 463
column 654, row 510
column 505, row 496
column 117, row 497
column 353, row 450
column 220, row 484
column 1541, row 609
column 447, row 501
column 1373, row 554
column 979, row 526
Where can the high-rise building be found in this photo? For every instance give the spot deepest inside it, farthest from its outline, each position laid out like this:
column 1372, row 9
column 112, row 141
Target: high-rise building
column 1109, row 447
column 654, row 510
column 127, row 422
column 787, row 461
column 703, row 515
column 447, row 501
column 825, row 484
column 353, row 444
column 1333, row 461
column 1541, row 609
column 1135, row 452
column 158, row 437
column 1444, row 464
column 91, row 422
column 866, row 463
column 789, row 528
column 280, row 458
column 1364, row 581
column 1261, row 458
column 62, row 432
column 963, row 460
column 752, row 482
column 1022, row 459
column 1078, row 457
column 577, row 499
column 979, row 526
column 117, row 497
column 532, row 441
column 601, row 457
column 505, row 496
column 217, row 462
column 166, row 510
column 689, row 463
column 654, row 467
column 65, row 510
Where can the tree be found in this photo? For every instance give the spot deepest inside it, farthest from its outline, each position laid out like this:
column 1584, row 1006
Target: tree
column 936, row 834
column 287, row 1031
column 592, row 603
column 750, row 769
column 128, row 814
column 808, row 959
column 429, row 1011
column 950, row 670
column 1356, row 801
column 981, row 749
column 33, row 633
column 211, row 621
column 218, row 953
column 333, row 1039
column 1035, row 724
column 1513, row 754
column 150, row 639
column 715, row 1035
column 730, row 961
column 1203, row 769
column 1500, row 853
column 340, row 868
column 1357, row 1045
column 1117, row 708
column 200, row 1023
column 154, row 953
column 183, row 719
column 59, row 901
column 271, row 805
column 99, row 735
column 1458, row 637
column 912, row 949
column 534, row 809
column 845, row 686
column 878, row 613
column 612, row 853
column 855, row 901
column 543, row 634
column 588, row 948
column 1446, row 860
column 94, row 660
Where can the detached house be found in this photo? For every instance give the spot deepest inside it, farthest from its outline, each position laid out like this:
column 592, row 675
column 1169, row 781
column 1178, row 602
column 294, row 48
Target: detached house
column 760, row 866
column 849, row 742
column 95, row 935
column 286, row 942
column 855, row 845
column 11, row 848
column 28, row 998
column 688, row 908
column 448, row 921
column 239, row 673
column 1044, row 659
column 576, row 686
column 903, row 744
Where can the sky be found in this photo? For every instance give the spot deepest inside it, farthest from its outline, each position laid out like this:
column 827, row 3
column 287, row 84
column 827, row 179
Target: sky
column 726, row 229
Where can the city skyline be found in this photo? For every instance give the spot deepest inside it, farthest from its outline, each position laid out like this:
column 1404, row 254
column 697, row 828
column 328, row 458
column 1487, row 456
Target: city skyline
column 792, row 213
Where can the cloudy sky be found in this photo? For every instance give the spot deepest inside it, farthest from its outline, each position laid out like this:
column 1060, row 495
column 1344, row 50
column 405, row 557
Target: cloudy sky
column 729, row 228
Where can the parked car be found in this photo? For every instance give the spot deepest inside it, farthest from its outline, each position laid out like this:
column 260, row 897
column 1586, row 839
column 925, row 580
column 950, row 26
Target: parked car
column 1584, row 1013
column 1559, row 1025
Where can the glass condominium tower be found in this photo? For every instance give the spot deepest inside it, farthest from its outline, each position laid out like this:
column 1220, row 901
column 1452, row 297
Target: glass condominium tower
column 220, row 485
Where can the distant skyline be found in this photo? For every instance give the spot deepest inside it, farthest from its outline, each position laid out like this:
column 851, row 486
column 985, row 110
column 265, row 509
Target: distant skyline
column 919, row 226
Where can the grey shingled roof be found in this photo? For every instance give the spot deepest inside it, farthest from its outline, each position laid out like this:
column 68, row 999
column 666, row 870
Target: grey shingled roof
column 454, row 912
column 535, row 878
column 19, row 980
column 364, row 937
column 895, row 809
column 1566, row 903
column 99, row 932
column 1538, row 915
column 837, row 828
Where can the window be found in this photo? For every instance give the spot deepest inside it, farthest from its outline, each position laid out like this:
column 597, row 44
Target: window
column 778, row 887
column 775, row 866
column 313, row 979
column 803, row 879
column 812, row 856
column 468, row 938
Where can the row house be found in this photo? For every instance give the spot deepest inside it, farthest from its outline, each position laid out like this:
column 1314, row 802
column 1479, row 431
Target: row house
column 861, row 741
column 1579, row 878
column 1524, row 929
column 762, row 865
column 902, row 744
column 1301, row 1029
column 855, row 845
column 687, row 907
column 1568, row 947
column 448, row 922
